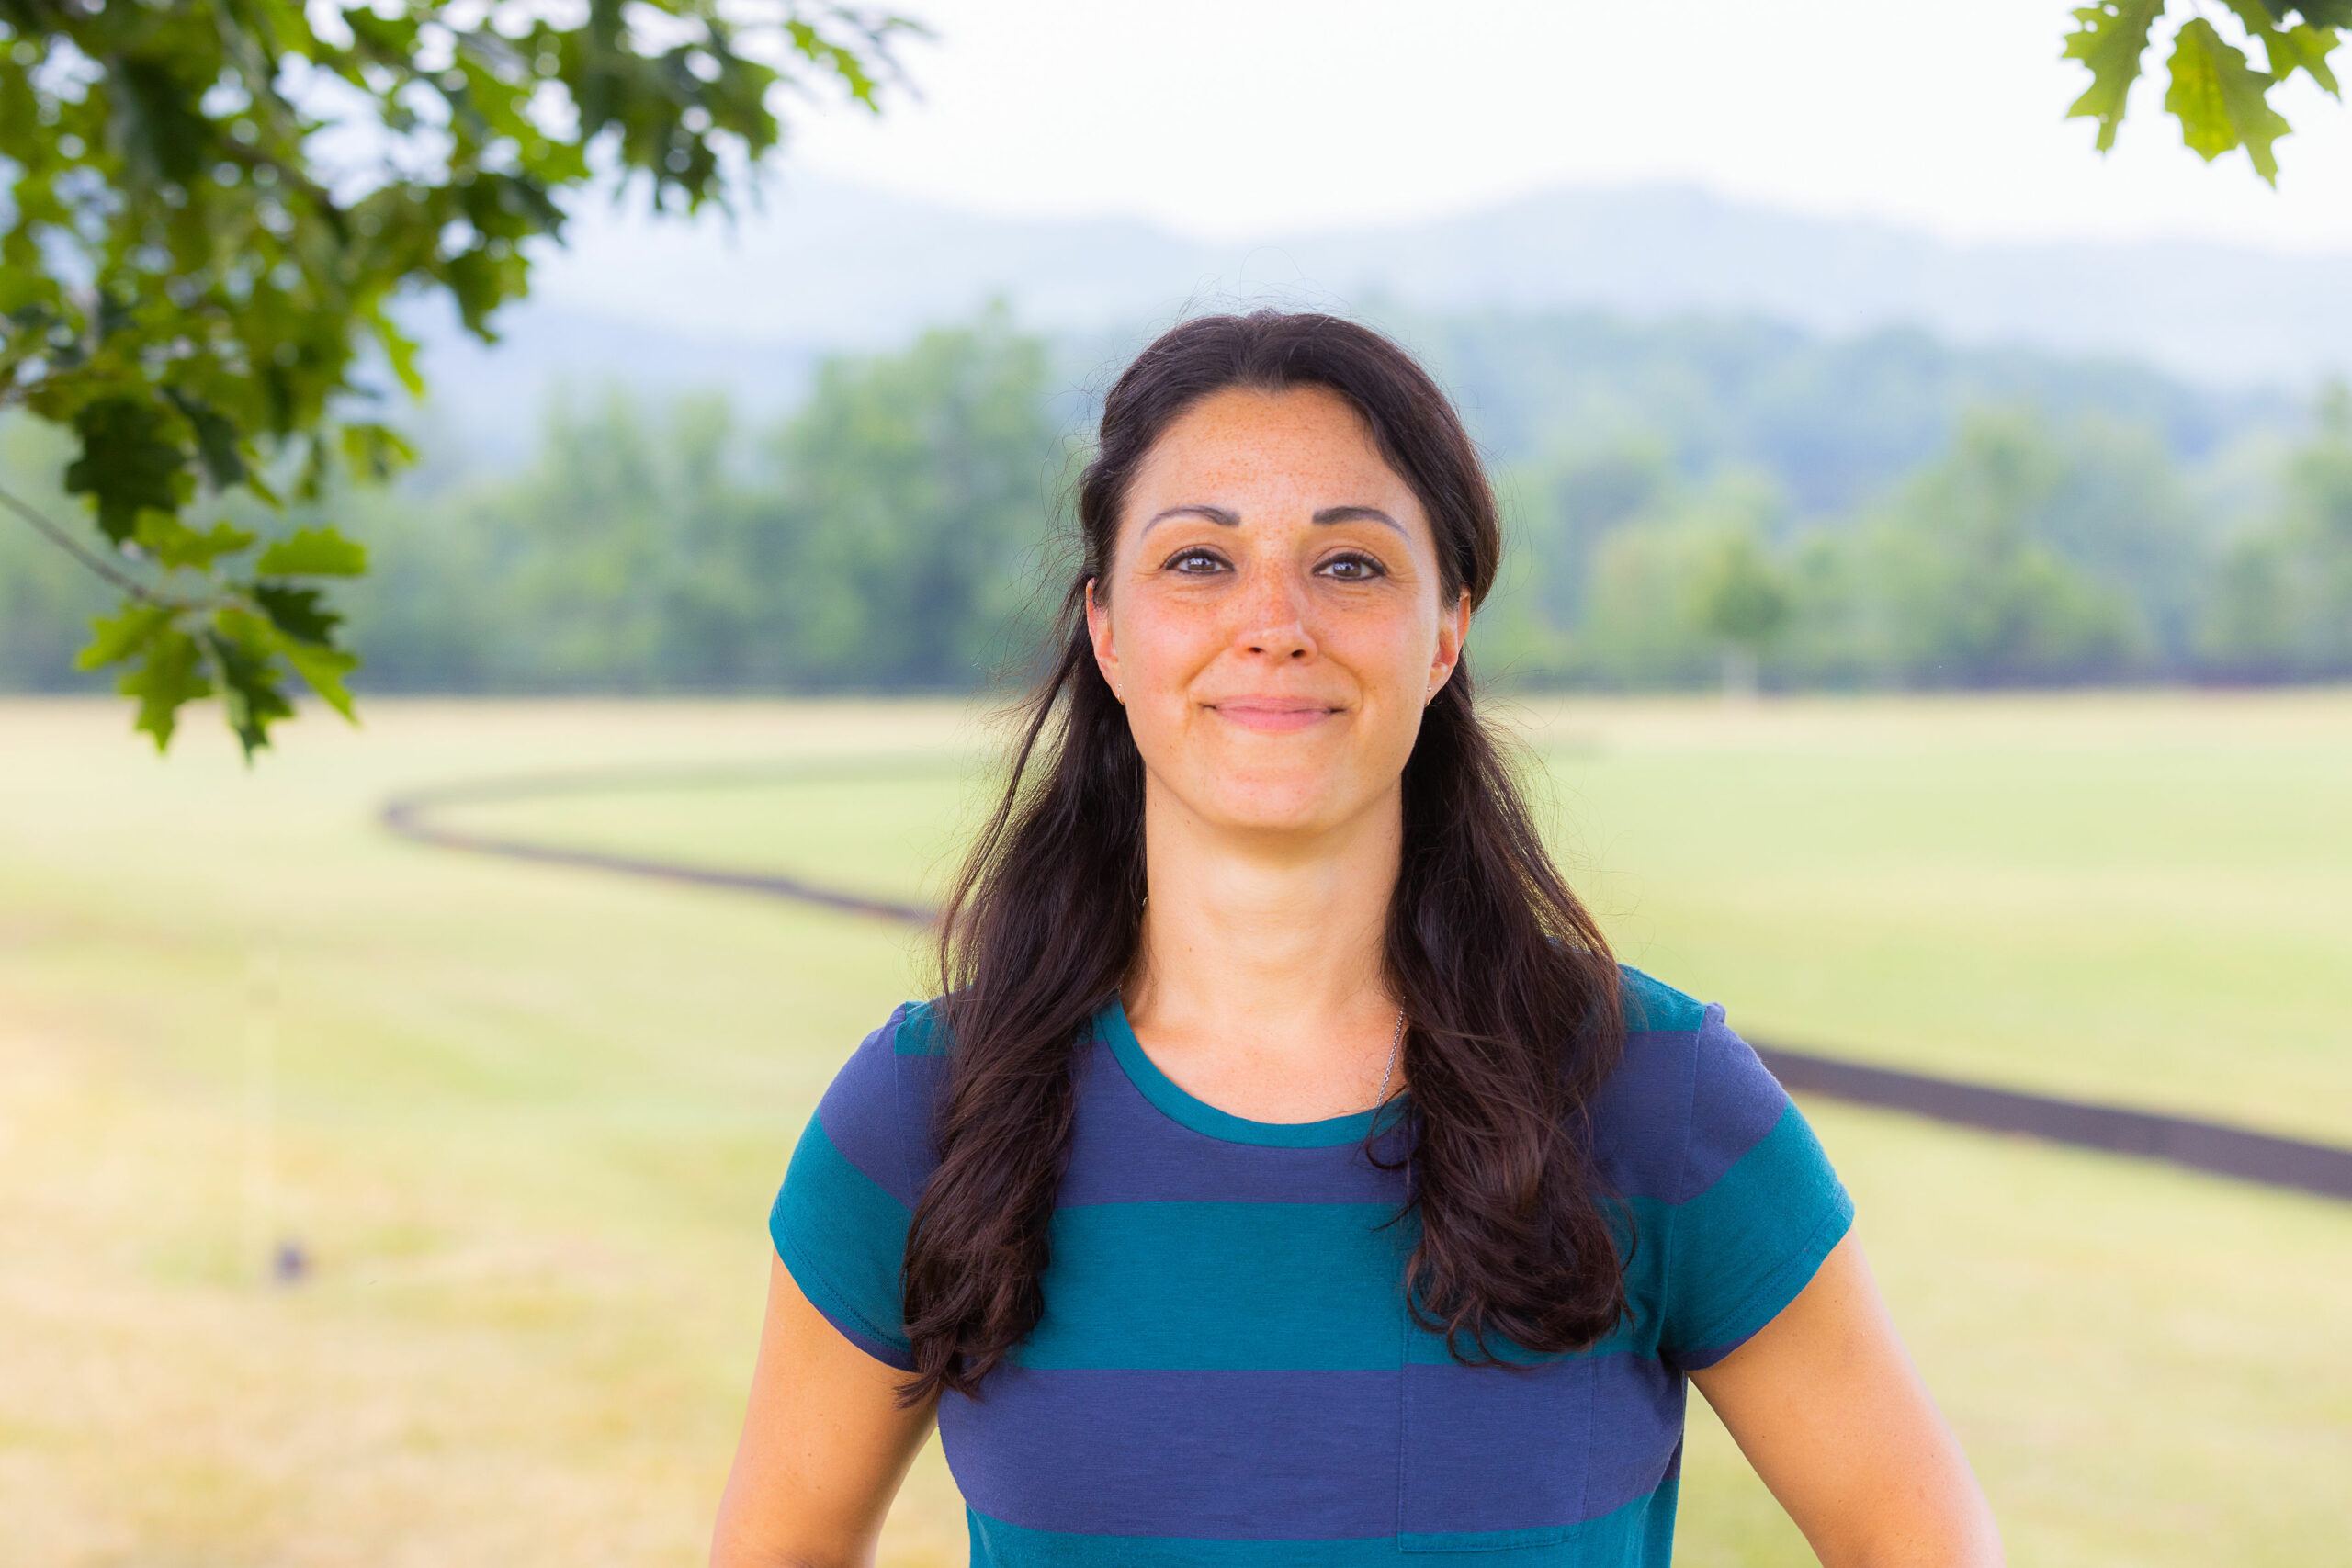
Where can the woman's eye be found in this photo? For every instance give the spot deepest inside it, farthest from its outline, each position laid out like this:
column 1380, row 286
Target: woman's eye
column 1196, row 563
column 1352, row 569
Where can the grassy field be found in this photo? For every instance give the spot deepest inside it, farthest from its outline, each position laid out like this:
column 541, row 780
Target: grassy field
column 526, row 1121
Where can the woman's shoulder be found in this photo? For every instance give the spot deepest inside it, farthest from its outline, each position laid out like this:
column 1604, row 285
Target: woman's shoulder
column 1686, row 1099
column 1719, row 1170
column 840, row 1220
column 1653, row 1006
column 913, row 1029
column 877, row 1113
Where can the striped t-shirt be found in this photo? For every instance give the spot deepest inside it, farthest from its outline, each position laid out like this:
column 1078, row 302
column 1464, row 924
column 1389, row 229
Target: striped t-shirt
column 1226, row 1373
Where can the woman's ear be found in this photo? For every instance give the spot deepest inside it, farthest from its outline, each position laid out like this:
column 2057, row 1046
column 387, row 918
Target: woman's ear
column 1452, row 631
column 1097, row 632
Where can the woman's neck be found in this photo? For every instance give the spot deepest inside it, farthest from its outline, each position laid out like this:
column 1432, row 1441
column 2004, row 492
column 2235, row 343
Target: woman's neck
column 1259, row 985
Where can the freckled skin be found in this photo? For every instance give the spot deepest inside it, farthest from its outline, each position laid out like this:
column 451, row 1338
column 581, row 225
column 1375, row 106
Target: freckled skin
column 1275, row 667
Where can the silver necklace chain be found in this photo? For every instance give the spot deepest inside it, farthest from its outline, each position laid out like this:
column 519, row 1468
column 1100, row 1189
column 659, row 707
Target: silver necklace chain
column 1390, row 1070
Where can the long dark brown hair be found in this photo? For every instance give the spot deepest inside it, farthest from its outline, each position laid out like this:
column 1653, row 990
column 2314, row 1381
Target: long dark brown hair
column 1509, row 990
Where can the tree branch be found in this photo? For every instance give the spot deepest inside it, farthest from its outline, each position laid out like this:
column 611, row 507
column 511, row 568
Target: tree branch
column 95, row 562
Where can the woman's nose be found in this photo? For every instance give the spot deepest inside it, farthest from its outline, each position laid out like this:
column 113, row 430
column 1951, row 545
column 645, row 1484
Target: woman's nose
column 1273, row 611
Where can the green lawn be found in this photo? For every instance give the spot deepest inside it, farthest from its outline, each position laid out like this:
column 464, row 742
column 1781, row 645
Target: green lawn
column 527, row 1119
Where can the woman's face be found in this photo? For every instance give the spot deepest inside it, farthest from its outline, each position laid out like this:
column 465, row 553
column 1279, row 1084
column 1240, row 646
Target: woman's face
column 1270, row 617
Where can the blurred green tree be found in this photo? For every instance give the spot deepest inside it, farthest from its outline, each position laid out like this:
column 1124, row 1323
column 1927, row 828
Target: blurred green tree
column 919, row 485
column 881, row 539
column 1556, row 514
column 2282, row 606
column 1651, row 588
column 1965, row 585
column 1745, row 602
column 2221, row 99
column 212, row 207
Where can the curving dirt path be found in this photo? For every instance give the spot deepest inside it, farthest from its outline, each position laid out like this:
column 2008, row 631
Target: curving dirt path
column 2214, row 1148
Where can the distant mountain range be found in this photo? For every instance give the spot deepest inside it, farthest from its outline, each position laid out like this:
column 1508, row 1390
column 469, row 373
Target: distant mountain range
column 749, row 306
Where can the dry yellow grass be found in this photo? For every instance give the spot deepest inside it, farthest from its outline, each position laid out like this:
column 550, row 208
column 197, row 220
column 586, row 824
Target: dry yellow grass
column 525, row 1122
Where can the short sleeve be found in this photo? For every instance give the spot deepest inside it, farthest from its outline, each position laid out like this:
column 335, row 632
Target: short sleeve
column 1758, row 1206
column 839, row 1223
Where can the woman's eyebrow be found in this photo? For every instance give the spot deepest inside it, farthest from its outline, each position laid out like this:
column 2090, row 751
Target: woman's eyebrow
column 1216, row 514
column 1357, row 514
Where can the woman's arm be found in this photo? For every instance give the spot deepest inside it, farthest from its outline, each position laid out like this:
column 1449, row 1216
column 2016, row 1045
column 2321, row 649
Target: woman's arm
column 824, row 1447
column 1829, row 1408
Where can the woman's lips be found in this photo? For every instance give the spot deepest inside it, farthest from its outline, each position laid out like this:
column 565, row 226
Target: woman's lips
column 1275, row 714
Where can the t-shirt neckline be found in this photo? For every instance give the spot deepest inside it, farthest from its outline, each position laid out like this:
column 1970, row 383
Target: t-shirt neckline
column 1186, row 1109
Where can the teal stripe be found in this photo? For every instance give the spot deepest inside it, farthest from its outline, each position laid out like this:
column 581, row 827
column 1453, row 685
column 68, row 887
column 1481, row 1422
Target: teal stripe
column 1743, row 1250
column 842, row 1235
column 1218, row 1286
column 1605, row 1539
column 1001, row 1545
column 1111, row 1024
column 1649, row 1220
column 920, row 1032
column 1609, row 1538
column 1653, row 1005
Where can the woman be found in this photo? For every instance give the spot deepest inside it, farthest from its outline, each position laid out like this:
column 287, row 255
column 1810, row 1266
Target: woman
column 1287, row 1174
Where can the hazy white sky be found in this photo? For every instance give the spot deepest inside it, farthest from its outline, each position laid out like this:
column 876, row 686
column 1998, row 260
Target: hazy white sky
column 1231, row 118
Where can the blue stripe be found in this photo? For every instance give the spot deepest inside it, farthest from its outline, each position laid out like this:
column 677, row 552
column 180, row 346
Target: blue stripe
column 1641, row 1116
column 1497, row 1448
column 1126, row 1150
column 1679, row 1109
column 1315, row 1455
column 1238, row 1454
column 860, row 1113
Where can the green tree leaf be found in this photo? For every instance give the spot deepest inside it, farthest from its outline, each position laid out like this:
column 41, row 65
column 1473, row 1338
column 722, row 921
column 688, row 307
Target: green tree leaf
column 323, row 669
column 2218, row 101
column 2110, row 38
column 216, row 438
column 375, row 452
column 175, row 547
column 128, row 463
column 252, row 687
column 118, row 637
column 2304, row 49
column 296, row 612
column 170, row 676
column 2316, row 13
column 2287, row 49
column 313, row 552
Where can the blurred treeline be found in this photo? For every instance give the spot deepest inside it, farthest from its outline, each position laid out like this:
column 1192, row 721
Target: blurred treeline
column 1688, row 501
column 2030, row 551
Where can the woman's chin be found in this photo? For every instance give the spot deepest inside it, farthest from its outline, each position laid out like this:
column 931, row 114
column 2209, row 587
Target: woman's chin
column 1304, row 808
